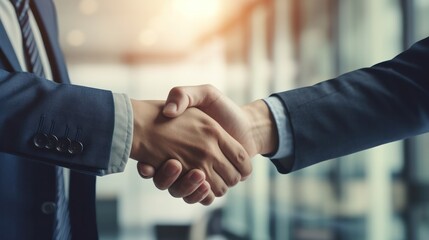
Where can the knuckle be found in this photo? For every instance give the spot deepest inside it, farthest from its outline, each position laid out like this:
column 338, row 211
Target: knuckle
column 243, row 160
column 233, row 180
column 248, row 172
column 207, row 201
column 219, row 192
column 197, row 196
column 203, row 190
column 236, row 180
column 207, row 126
column 207, row 154
column 177, row 91
column 212, row 91
column 242, row 156
column 210, row 88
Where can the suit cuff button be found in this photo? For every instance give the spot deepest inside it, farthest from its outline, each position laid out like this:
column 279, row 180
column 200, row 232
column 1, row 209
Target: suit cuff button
column 76, row 147
column 63, row 145
column 48, row 207
column 40, row 140
column 52, row 142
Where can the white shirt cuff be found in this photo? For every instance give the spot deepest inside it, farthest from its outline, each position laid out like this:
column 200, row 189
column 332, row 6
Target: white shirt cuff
column 122, row 134
column 285, row 147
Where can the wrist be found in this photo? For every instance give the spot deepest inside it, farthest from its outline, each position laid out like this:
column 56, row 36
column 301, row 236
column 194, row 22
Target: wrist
column 144, row 114
column 262, row 126
column 136, row 126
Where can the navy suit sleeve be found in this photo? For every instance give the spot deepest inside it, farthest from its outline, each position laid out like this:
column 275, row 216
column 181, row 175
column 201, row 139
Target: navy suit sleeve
column 360, row 109
column 31, row 105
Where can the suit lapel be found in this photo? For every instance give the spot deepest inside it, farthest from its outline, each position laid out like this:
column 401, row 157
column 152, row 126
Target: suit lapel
column 7, row 50
column 45, row 15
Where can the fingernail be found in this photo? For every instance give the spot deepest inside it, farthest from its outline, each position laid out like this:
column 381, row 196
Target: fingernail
column 196, row 177
column 146, row 172
column 170, row 107
column 171, row 170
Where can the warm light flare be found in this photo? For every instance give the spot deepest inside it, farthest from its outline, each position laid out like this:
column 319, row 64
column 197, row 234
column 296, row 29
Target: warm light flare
column 76, row 38
column 88, row 7
column 148, row 37
column 197, row 8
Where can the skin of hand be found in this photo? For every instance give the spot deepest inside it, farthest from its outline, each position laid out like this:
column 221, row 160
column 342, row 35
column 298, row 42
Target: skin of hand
column 195, row 140
column 252, row 125
column 192, row 187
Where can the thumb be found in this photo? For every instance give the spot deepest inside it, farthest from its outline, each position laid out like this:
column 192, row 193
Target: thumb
column 181, row 98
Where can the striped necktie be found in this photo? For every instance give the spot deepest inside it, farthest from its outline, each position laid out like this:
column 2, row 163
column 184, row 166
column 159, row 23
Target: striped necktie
column 32, row 58
column 62, row 229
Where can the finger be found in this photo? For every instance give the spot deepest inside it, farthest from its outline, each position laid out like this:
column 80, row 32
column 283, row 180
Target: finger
column 236, row 154
column 219, row 170
column 177, row 101
column 167, row 174
column 181, row 98
column 145, row 170
column 208, row 200
column 187, row 184
column 217, row 184
column 229, row 174
column 198, row 195
column 244, row 178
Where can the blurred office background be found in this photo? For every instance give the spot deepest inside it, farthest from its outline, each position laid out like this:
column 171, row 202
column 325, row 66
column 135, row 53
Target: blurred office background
column 248, row 49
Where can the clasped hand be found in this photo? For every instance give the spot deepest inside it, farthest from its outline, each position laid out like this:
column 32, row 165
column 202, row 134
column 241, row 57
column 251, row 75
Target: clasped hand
column 199, row 143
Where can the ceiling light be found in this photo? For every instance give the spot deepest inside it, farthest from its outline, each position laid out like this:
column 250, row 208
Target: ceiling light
column 88, row 7
column 197, row 8
column 76, row 38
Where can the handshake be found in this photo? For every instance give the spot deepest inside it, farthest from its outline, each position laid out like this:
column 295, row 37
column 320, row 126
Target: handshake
column 198, row 143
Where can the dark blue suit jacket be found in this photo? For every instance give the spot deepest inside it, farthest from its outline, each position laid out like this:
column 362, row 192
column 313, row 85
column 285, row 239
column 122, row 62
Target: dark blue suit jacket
column 27, row 176
column 360, row 109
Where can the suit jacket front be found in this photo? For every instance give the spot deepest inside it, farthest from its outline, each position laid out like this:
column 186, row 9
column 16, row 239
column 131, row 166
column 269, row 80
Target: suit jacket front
column 360, row 109
column 31, row 105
